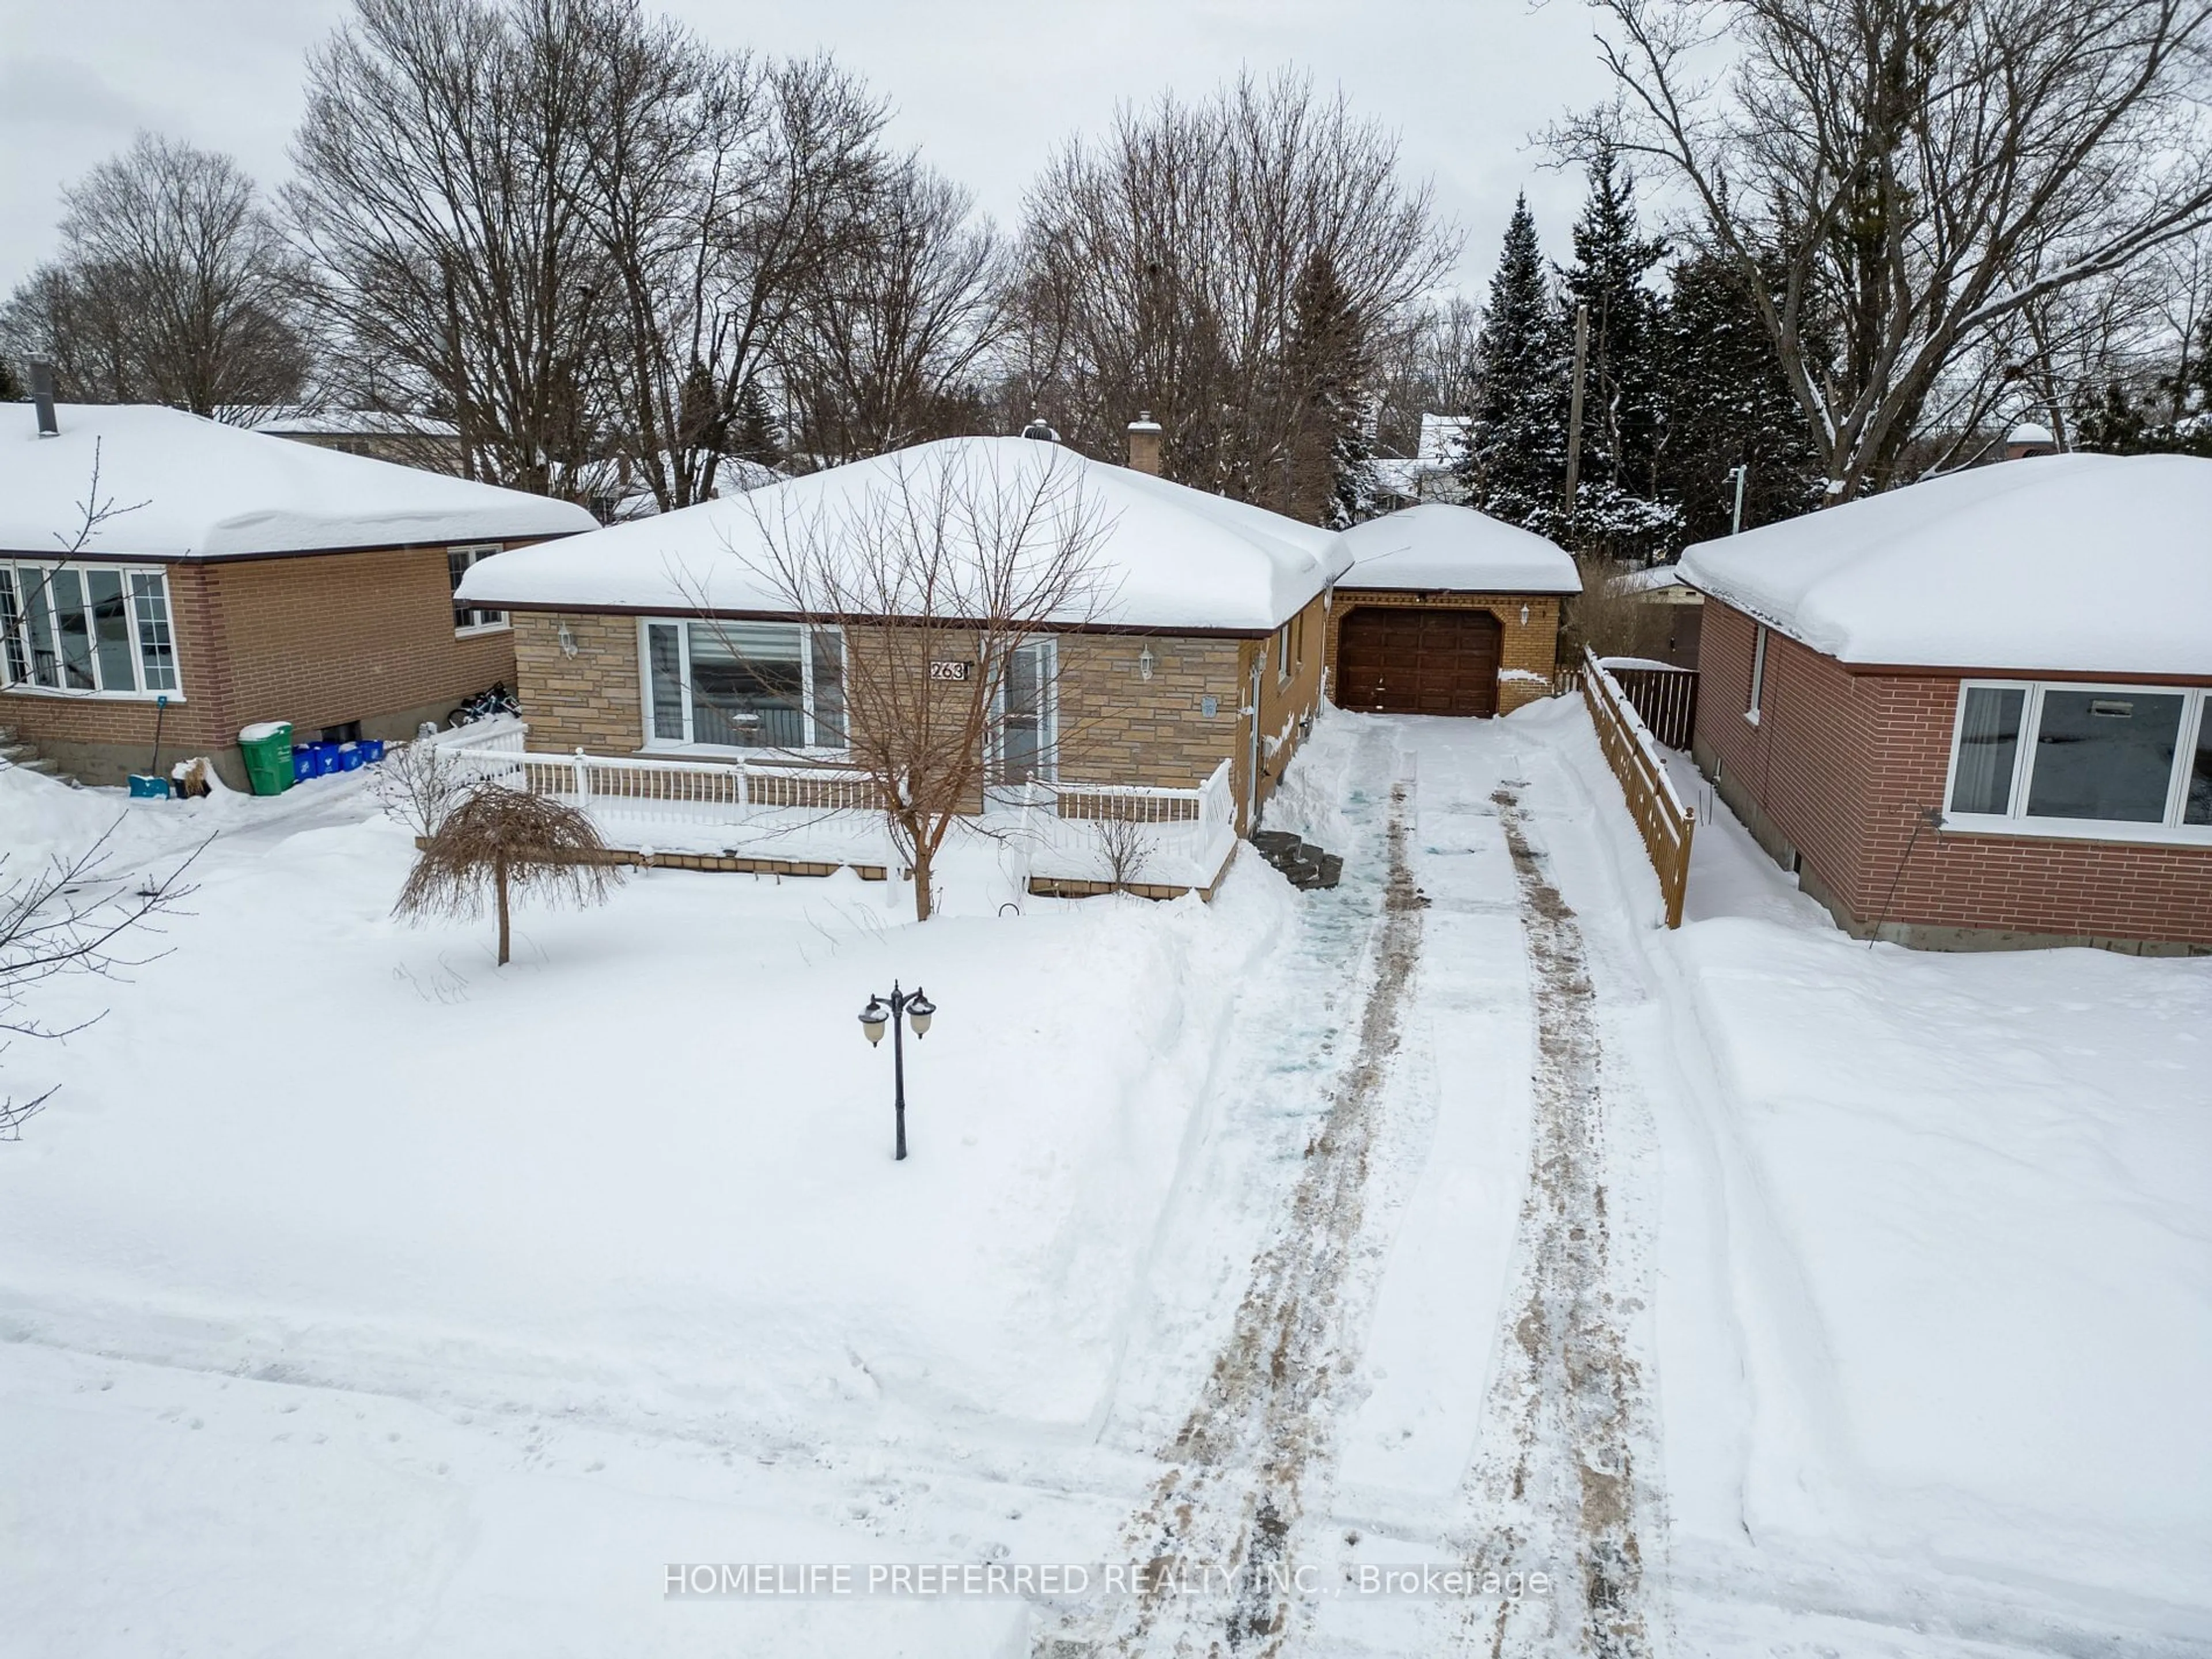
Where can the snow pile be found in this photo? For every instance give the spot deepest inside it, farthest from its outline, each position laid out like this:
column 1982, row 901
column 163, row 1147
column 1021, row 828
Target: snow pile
column 2088, row 563
column 1436, row 546
column 1163, row 556
column 197, row 489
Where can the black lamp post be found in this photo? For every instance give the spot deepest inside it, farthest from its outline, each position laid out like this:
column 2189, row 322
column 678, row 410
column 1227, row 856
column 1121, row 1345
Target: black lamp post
column 918, row 1008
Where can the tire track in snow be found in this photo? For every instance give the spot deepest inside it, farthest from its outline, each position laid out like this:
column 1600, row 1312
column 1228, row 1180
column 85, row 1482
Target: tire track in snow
column 1234, row 1488
column 1555, row 1488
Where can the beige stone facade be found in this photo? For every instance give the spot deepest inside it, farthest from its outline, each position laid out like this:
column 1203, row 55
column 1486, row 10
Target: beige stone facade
column 1116, row 725
column 1528, row 649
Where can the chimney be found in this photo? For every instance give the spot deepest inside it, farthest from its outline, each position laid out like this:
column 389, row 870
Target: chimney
column 1145, row 443
column 42, row 395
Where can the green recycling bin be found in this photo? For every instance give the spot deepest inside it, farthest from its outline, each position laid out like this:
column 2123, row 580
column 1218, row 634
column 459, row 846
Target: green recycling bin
column 267, row 746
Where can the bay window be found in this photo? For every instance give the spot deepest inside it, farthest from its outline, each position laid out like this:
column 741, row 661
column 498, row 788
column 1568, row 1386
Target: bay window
column 95, row 630
column 2128, row 760
column 744, row 685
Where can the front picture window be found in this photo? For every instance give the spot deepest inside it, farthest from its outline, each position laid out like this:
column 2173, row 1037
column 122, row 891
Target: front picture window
column 96, row 630
column 745, row 685
column 2072, row 754
column 2105, row 755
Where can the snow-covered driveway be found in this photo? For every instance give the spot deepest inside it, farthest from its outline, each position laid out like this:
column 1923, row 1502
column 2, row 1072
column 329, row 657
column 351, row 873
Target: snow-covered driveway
column 1766, row 1294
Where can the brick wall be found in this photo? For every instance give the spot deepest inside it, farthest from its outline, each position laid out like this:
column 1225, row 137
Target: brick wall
column 1529, row 648
column 1115, row 726
column 1841, row 765
column 317, row 638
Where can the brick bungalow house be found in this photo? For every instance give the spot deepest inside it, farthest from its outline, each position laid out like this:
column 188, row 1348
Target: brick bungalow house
column 1977, row 713
column 1198, row 669
column 1446, row 610
column 244, row 577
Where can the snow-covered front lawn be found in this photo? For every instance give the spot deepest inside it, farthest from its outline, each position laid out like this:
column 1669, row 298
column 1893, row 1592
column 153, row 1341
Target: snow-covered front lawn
column 362, row 1298
column 649, row 1162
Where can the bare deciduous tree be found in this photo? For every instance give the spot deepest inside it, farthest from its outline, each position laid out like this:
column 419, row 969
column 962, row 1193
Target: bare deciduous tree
column 1895, row 180
column 174, row 286
column 1159, row 269
column 955, row 554
column 499, row 842
column 443, row 173
column 73, row 917
column 419, row 784
column 896, row 331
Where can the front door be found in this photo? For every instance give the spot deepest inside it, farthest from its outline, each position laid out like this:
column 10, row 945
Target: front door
column 1024, row 715
column 1400, row 660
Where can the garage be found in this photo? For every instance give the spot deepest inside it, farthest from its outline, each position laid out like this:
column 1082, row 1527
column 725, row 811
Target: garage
column 1446, row 610
column 1394, row 661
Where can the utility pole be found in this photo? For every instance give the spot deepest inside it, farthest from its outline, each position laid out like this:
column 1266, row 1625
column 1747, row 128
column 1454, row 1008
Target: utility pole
column 1575, row 408
column 1740, row 473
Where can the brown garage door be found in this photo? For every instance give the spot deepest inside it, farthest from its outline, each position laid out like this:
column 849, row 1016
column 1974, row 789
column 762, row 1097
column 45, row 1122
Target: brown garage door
column 1417, row 662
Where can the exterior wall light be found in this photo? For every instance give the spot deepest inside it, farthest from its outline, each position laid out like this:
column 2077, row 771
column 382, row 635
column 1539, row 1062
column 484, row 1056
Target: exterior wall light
column 568, row 642
column 1524, row 615
column 1145, row 663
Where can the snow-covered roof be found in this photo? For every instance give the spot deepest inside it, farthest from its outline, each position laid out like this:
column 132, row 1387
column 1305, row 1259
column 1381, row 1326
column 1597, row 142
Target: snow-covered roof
column 1438, row 546
column 356, row 423
column 1444, row 437
column 1648, row 581
column 214, row 491
column 2030, row 432
column 2078, row 564
column 1166, row 556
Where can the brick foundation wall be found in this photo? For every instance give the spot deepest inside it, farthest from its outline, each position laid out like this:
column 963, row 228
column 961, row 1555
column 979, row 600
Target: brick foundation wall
column 1530, row 649
column 317, row 638
column 1841, row 765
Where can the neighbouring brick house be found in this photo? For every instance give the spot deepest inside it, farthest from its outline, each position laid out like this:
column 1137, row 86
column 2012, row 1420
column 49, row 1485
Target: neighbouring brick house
column 1977, row 712
column 1446, row 610
column 243, row 577
column 668, row 636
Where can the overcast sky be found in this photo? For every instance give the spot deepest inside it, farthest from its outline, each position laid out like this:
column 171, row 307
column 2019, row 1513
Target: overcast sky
column 985, row 87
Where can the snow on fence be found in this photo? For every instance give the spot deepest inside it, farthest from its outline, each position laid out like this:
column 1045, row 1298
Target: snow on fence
column 1634, row 755
column 1666, row 696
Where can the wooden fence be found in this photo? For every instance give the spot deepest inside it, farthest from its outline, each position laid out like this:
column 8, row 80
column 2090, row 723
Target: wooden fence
column 1667, row 698
column 1634, row 755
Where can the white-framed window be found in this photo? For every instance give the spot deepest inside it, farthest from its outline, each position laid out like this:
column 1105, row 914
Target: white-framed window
column 468, row 619
column 1290, row 648
column 742, row 685
column 1758, row 677
column 91, row 631
column 1025, row 715
column 2128, row 763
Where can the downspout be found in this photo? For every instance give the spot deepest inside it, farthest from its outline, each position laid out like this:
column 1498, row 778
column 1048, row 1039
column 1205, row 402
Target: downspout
column 1252, row 767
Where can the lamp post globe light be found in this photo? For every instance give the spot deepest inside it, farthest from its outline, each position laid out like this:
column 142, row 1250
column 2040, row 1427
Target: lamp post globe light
column 882, row 1011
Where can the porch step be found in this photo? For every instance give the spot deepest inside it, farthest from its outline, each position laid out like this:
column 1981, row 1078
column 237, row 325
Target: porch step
column 16, row 752
column 1306, row 865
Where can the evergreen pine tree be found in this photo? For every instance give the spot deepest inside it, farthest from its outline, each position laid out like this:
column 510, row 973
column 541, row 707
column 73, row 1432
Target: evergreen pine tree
column 11, row 390
column 1621, row 506
column 1331, row 478
column 1727, row 404
column 1516, row 452
column 752, row 432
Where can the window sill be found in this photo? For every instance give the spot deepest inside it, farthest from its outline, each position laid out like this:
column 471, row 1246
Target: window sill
column 2131, row 835
column 175, row 697
column 665, row 750
column 483, row 629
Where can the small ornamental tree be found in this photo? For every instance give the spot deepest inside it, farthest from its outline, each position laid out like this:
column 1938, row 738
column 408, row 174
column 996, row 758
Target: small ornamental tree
column 500, row 842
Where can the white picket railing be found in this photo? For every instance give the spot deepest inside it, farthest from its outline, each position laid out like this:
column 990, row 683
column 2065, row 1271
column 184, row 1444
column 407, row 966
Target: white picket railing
column 1186, row 834
column 828, row 813
column 735, row 793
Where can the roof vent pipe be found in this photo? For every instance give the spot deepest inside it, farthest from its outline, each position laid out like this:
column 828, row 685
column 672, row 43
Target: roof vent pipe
column 42, row 395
